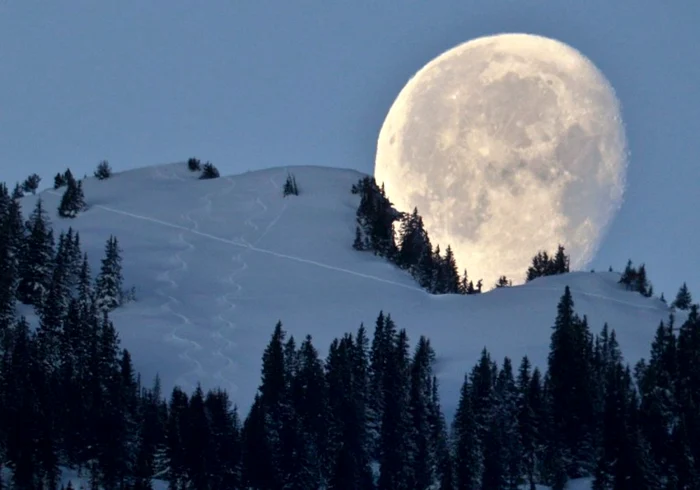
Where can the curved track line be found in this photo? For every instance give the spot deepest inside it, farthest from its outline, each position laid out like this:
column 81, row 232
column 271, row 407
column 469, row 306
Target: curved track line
column 257, row 249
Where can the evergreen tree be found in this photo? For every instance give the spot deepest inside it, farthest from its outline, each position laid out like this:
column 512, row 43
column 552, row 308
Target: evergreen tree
column 31, row 184
column 73, row 199
column 376, row 217
column 466, row 445
column 423, row 443
column 21, row 408
column 358, row 244
column 560, row 263
column 175, row 439
column 290, row 187
column 224, row 451
column 450, row 273
column 395, row 465
column 103, row 170
column 209, row 171
column 59, row 181
column 36, row 264
column 503, row 282
column 544, row 265
column 571, row 385
column 17, row 192
column 683, row 298
column 413, row 241
column 108, row 294
column 12, row 239
column 311, row 406
column 194, row 165
column 529, row 420
column 259, row 469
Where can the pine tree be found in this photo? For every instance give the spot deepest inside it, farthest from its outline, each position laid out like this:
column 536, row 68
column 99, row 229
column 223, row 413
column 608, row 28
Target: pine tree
column 17, row 192
column 528, row 403
column 59, row 181
column 108, row 292
column 290, row 187
column 358, row 244
column 466, row 445
column 175, row 438
column 194, row 165
column 31, row 184
column 422, row 442
column 413, row 241
column 12, row 239
column 197, row 438
column 571, row 385
column 503, row 282
column 36, row 264
column 21, row 408
column 395, row 466
column 73, row 199
column 683, row 298
column 103, row 170
column 224, row 453
column 376, row 216
column 311, row 407
column 560, row 263
column 450, row 274
column 209, row 171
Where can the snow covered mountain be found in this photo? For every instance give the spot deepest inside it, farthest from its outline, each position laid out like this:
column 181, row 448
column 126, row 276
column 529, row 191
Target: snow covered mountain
column 216, row 263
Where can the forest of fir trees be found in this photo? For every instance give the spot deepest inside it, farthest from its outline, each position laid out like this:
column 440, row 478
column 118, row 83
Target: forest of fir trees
column 368, row 416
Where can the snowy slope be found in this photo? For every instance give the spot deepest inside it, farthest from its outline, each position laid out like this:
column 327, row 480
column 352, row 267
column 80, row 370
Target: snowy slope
column 216, row 263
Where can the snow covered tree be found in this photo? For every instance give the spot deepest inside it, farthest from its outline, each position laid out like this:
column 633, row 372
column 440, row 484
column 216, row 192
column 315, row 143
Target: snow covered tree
column 12, row 240
column 209, row 171
column 59, row 181
column 194, row 164
column 635, row 279
column 290, row 187
column 422, row 444
column 466, row 445
column 571, row 387
column 108, row 290
column 17, row 192
column 73, row 199
column 36, row 263
column 103, row 170
column 683, row 298
column 31, row 183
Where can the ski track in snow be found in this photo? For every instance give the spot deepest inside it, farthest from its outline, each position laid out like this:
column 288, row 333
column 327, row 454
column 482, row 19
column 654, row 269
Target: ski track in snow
column 223, row 343
column 274, row 221
column 243, row 244
column 170, row 306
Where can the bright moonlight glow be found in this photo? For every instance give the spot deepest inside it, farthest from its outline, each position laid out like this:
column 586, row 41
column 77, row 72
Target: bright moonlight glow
column 508, row 145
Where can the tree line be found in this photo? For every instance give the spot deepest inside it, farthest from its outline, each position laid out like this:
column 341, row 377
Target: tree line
column 403, row 240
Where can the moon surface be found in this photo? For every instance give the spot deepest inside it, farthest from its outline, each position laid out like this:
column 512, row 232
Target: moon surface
column 507, row 144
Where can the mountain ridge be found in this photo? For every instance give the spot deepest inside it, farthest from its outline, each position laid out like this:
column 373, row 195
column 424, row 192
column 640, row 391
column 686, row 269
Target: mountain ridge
column 217, row 262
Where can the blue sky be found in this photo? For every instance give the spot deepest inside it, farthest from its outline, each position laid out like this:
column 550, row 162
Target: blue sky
column 254, row 84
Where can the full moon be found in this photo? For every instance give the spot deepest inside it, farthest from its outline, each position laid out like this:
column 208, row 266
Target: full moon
column 507, row 145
